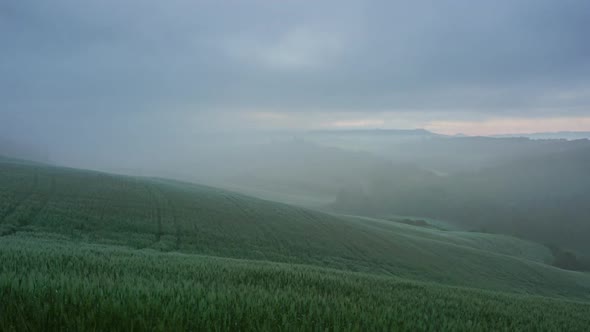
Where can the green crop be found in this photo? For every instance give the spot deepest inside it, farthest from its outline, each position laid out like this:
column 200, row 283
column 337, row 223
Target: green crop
column 58, row 285
column 84, row 250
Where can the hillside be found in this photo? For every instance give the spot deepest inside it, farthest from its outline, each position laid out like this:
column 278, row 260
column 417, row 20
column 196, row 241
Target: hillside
column 446, row 154
column 298, row 167
column 565, row 135
column 159, row 214
column 542, row 198
column 82, row 250
column 52, row 284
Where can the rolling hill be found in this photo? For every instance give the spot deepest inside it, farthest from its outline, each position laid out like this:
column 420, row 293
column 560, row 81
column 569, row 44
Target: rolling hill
column 542, row 198
column 76, row 232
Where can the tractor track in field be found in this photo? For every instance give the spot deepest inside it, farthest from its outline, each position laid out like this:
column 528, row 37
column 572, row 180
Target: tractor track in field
column 172, row 209
column 158, row 212
column 13, row 207
column 321, row 224
column 160, row 232
column 163, row 203
column 240, row 205
column 36, row 211
column 175, row 222
column 268, row 230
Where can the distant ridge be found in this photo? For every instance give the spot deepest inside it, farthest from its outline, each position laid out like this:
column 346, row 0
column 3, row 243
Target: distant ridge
column 377, row 131
column 567, row 135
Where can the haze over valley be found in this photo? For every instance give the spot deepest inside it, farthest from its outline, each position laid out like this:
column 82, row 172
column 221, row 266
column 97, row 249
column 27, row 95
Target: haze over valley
column 279, row 166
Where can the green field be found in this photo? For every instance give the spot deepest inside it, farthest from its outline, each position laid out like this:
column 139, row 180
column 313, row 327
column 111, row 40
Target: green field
column 83, row 250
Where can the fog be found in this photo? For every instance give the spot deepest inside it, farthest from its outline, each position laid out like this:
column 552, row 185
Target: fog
column 374, row 108
column 106, row 85
column 268, row 165
column 111, row 77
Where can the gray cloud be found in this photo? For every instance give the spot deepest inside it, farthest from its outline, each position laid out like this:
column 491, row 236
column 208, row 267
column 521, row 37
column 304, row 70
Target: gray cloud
column 70, row 58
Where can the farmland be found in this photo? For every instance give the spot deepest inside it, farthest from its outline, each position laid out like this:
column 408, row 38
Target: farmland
column 86, row 250
column 54, row 284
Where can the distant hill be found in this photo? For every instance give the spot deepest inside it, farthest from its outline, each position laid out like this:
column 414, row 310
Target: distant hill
column 315, row 170
column 166, row 215
column 567, row 135
column 83, row 250
column 440, row 153
column 301, row 167
column 454, row 155
column 543, row 198
column 374, row 132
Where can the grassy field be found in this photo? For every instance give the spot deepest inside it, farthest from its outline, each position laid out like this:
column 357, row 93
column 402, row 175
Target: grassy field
column 59, row 285
column 85, row 250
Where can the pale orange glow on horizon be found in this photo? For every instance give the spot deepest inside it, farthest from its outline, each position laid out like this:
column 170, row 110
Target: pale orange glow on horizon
column 396, row 120
column 509, row 126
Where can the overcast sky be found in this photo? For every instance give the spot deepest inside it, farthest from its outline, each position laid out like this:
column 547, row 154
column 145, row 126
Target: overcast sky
column 72, row 69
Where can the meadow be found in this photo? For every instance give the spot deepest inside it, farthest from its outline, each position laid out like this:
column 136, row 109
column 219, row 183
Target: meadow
column 82, row 250
column 59, row 285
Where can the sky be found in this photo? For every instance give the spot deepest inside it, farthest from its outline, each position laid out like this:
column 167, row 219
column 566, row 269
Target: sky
column 82, row 72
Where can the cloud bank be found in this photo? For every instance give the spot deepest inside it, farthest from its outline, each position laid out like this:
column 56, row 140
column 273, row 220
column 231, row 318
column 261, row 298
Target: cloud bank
column 76, row 68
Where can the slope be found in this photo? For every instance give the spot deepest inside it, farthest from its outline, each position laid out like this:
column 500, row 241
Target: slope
column 57, row 285
column 541, row 198
column 85, row 206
